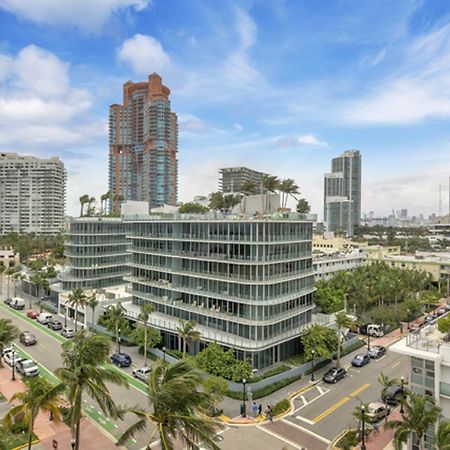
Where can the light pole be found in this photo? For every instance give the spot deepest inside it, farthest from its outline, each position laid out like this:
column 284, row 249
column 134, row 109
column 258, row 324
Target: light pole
column 13, row 365
column 363, row 431
column 164, row 354
column 118, row 339
column 243, row 412
column 402, row 410
column 407, row 318
column 368, row 343
column 72, row 443
column 65, row 316
column 313, row 352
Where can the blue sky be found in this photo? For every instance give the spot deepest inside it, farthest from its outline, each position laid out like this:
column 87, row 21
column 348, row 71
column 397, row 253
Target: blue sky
column 276, row 85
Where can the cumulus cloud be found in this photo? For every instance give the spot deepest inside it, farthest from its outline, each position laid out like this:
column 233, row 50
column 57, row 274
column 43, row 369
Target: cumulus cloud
column 143, row 53
column 191, row 124
column 86, row 14
column 298, row 141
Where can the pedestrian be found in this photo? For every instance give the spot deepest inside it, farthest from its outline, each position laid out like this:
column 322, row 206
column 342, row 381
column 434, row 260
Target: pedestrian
column 375, row 429
column 259, row 409
column 269, row 413
column 254, row 409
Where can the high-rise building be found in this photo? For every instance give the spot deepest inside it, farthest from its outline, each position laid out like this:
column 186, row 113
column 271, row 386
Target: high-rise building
column 342, row 193
column 32, row 194
column 143, row 145
column 232, row 179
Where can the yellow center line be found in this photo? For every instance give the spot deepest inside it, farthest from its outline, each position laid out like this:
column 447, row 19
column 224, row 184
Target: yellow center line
column 331, row 409
column 359, row 390
column 396, row 364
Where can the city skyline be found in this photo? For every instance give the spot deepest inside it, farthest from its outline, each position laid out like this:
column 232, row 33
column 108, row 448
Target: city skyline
column 280, row 87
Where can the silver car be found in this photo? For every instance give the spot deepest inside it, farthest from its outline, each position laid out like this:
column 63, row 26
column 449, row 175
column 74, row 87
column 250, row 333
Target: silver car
column 68, row 332
column 142, row 373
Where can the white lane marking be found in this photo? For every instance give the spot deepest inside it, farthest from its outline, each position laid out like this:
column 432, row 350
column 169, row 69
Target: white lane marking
column 319, row 389
column 306, row 403
column 304, row 419
column 275, row 435
column 303, row 400
column 321, row 438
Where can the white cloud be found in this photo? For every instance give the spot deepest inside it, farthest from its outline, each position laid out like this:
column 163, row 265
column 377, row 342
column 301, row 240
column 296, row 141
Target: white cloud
column 238, row 127
column 144, row 53
column 191, row 124
column 302, row 140
column 86, row 14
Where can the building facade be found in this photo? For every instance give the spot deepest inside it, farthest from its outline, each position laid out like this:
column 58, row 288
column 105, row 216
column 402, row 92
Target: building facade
column 32, row 194
column 326, row 265
column 248, row 284
column 342, row 193
column 143, row 145
column 96, row 251
column 233, row 178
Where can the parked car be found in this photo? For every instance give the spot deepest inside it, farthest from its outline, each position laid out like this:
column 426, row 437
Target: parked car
column 27, row 368
column 7, row 301
column 377, row 351
column 44, row 318
column 55, row 324
column 7, row 348
column 334, row 375
column 361, row 359
column 17, row 303
column 142, row 373
column 11, row 358
column 32, row 314
column 440, row 311
column 121, row 359
column 392, row 395
column 377, row 411
column 375, row 330
column 27, row 338
column 68, row 332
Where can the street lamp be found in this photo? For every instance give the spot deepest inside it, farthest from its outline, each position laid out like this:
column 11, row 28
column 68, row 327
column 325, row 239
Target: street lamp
column 407, row 318
column 243, row 408
column 368, row 343
column 118, row 339
column 313, row 352
column 403, row 395
column 72, row 443
column 13, row 365
column 65, row 315
column 363, row 431
column 164, row 354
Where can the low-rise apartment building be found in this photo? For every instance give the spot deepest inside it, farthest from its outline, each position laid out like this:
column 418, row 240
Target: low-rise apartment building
column 327, row 265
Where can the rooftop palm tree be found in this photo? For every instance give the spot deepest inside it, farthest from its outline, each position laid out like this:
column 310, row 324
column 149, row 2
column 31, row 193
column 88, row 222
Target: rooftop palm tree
column 442, row 439
column 90, row 209
column 146, row 310
column 83, row 372
column 420, row 414
column 342, row 321
column 92, row 302
column 270, row 184
column 77, row 299
column 187, row 333
column 179, row 408
column 288, row 188
column 8, row 332
column 84, row 199
column 247, row 188
column 39, row 395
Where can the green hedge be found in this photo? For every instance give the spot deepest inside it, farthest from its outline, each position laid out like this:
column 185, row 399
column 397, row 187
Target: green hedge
column 259, row 393
column 318, row 366
column 270, row 373
column 281, row 407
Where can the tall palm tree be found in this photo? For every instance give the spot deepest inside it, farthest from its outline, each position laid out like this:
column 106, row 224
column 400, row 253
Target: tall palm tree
column 187, row 333
column 77, row 299
column 84, row 199
column 442, row 439
column 90, row 209
column 420, row 414
column 2, row 269
column 146, row 310
column 342, row 321
column 92, row 302
column 288, row 188
column 179, row 408
column 247, row 188
column 39, row 395
column 8, row 332
column 270, row 184
column 116, row 316
column 104, row 201
column 386, row 383
column 83, row 371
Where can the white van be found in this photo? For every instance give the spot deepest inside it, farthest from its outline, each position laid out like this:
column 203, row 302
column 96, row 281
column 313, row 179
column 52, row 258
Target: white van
column 44, row 318
column 17, row 303
column 375, row 330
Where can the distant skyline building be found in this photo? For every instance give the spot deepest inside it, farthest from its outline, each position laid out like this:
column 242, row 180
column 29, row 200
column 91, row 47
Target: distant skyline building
column 143, row 145
column 233, row 178
column 32, row 194
column 342, row 193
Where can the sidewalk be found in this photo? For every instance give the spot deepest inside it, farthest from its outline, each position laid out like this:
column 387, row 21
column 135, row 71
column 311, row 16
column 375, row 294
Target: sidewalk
column 382, row 440
column 48, row 431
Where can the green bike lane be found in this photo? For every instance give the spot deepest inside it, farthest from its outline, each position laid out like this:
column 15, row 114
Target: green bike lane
column 47, row 355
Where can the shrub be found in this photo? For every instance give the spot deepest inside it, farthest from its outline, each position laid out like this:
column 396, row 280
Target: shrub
column 281, row 407
column 266, row 390
column 318, row 366
column 351, row 348
column 348, row 441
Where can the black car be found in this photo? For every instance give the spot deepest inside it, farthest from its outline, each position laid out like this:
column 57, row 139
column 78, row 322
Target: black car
column 55, row 325
column 377, row 351
column 392, row 395
column 334, row 375
column 121, row 359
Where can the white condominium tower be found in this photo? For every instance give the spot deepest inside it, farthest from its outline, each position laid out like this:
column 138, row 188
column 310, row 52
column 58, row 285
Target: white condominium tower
column 32, row 194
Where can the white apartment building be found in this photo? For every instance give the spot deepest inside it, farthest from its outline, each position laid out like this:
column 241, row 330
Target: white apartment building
column 327, row 265
column 32, row 194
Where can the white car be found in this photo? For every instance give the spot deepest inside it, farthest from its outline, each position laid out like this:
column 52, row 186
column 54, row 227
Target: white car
column 6, row 349
column 11, row 358
column 142, row 373
column 28, row 368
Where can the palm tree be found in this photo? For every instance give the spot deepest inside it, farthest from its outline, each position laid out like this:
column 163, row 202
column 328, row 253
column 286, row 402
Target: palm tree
column 342, row 321
column 104, row 201
column 9, row 273
column 90, row 209
column 118, row 199
column 83, row 371
column 217, row 201
column 442, row 439
column 146, row 310
column 8, row 332
column 84, row 199
column 386, row 383
column 270, row 184
column 77, row 299
column 40, row 395
column 116, row 316
column 179, row 408
column 247, row 188
column 287, row 188
column 92, row 302
column 187, row 333
column 2, row 269
column 230, row 201
column 420, row 414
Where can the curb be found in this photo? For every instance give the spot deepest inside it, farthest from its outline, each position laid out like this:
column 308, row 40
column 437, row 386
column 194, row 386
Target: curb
column 36, row 441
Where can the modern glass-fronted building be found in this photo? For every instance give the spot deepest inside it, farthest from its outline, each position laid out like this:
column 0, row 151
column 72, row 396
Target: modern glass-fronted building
column 248, row 284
